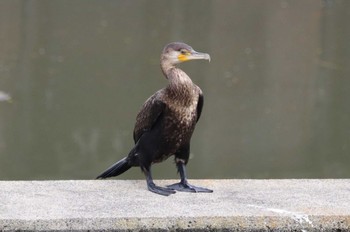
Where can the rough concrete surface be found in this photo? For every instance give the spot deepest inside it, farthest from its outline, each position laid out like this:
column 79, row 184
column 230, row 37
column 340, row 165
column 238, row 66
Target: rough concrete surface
column 117, row 205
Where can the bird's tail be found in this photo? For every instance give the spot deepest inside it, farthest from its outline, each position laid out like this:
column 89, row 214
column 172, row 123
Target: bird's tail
column 116, row 169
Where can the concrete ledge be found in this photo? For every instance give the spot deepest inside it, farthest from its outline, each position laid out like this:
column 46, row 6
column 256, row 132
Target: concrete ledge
column 117, row 205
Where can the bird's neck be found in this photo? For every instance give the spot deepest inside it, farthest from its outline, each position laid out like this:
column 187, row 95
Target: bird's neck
column 180, row 87
column 178, row 78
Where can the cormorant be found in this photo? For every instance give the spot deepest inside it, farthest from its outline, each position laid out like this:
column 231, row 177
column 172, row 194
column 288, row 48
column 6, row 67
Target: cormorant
column 165, row 123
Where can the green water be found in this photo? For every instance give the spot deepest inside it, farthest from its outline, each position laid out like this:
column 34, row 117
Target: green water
column 276, row 91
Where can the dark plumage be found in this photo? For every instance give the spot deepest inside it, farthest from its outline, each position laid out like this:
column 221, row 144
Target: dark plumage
column 166, row 121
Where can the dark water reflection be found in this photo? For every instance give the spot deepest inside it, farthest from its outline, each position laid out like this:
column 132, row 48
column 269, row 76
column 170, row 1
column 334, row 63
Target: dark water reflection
column 76, row 72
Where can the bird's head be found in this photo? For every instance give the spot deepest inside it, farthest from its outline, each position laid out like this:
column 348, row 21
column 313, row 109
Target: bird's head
column 175, row 53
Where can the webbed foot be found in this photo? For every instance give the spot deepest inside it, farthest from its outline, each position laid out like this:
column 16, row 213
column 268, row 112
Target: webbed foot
column 186, row 187
column 160, row 190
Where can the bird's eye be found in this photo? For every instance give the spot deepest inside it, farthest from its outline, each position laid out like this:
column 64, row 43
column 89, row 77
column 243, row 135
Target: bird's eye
column 183, row 51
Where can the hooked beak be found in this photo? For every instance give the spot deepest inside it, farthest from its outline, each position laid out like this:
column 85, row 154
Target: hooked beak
column 193, row 55
column 199, row 56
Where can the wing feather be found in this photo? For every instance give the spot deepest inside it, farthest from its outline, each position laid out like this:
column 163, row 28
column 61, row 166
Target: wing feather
column 200, row 105
column 148, row 115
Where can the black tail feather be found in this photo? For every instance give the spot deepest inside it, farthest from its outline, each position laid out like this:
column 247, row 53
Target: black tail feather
column 116, row 169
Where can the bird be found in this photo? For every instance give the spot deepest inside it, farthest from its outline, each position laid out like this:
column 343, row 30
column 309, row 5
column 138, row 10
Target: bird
column 166, row 122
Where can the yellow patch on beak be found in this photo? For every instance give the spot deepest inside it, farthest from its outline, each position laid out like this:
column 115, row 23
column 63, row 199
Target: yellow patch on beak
column 182, row 57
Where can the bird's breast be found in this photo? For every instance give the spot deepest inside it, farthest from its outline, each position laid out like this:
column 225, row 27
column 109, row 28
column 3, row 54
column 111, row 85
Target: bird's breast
column 179, row 123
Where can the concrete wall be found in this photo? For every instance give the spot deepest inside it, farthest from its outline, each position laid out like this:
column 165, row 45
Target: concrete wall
column 117, row 205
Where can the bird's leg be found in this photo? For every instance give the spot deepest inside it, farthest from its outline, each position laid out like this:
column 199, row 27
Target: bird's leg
column 153, row 187
column 183, row 185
